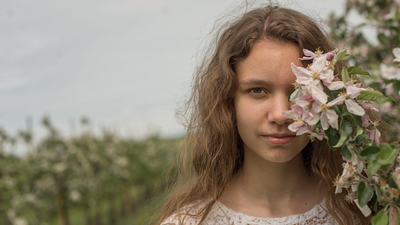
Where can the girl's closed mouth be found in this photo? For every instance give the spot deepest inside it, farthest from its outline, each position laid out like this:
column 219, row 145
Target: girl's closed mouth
column 279, row 139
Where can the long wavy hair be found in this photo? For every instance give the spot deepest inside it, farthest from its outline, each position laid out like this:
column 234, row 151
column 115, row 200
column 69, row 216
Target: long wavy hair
column 213, row 151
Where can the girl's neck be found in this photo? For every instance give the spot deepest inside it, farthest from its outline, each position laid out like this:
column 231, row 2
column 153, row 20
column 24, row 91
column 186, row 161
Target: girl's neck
column 266, row 189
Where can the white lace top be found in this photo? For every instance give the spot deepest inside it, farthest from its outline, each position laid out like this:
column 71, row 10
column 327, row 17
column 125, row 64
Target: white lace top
column 221, row 215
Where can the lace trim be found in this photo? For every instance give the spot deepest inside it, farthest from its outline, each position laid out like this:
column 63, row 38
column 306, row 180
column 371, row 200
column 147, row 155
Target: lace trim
column 221, row 215
column 316, row 215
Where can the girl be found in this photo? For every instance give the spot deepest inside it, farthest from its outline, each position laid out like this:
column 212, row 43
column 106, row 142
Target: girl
column 249, row 168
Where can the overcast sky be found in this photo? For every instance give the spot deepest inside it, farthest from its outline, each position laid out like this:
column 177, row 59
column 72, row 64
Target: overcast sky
column 123, row 64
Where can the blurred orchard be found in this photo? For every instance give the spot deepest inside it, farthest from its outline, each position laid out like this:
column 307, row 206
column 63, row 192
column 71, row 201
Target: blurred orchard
column 82, row 180
column 103, row 180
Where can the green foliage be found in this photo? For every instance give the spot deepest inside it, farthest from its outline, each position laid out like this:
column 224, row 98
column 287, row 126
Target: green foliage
column 334, row 137
column 365, row 194
column 375, row 96
column 381, row 218
column 81, row 176
column 345, row 130
column 357, row 70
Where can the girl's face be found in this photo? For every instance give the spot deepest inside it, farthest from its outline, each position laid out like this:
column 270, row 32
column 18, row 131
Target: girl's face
column 265, row 82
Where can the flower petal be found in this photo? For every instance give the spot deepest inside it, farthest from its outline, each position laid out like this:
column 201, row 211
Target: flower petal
column 337, row 101
column 303, row 75
column 332, row 118
column 296, row 94
column 354, row 108
column 318, row 94
column 324, row 121
column 290, row 114
column 294, row 127
column 336, row 85
column 318, row 64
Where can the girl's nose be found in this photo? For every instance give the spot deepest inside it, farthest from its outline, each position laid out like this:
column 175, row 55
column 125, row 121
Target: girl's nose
column 275, row 114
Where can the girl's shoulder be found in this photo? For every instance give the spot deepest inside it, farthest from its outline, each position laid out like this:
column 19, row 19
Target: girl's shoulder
column 188, row 215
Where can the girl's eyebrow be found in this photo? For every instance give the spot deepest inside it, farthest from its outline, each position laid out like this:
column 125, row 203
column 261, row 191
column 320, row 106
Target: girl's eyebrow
column 255, row 82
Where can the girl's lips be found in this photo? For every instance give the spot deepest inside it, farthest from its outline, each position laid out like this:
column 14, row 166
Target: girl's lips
column 279, row 140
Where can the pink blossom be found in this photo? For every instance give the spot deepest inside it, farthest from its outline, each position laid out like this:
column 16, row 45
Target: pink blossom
column 374, row 135
column 308, row 55
column 301, row 119
column 347, row 173
column 396, row 53
column 365, row 120
column 311, row 55
column 320, row 135
column 328, row 117
column 337, row 101
column 353, row 90
column 312, row 86
column 390, row 72
column 354, row 108
column 320, row 69
column 304, row 101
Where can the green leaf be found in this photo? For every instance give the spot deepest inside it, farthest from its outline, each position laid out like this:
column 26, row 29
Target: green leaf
column 344, row 112
column 365, row 194
column 395, row 144
column 360, row 139
column 358, row 120
column 357, row 70
column 333, row 137
column 381, row 218
column 345, row 75
column 396, row 86
column 348, row 55
column 383, row 39
column 386, row 156
column 345, row 152
column 376, row 96
column 337, row 109
column 374, row 202
column 391, row 182
column 339, row 56
column 373, row 167
column 345, row 130
column 370, row 152
column 360, row 131
column 384, row 145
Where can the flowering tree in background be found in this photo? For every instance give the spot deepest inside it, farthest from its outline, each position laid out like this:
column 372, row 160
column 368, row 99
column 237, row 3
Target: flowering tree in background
column 100, row 179
column 373, row 41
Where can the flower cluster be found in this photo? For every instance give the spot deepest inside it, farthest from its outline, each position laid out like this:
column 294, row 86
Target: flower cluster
column 318, row 91
column 334, row 107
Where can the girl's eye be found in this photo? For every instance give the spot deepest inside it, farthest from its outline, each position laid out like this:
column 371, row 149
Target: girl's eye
column 257, row 91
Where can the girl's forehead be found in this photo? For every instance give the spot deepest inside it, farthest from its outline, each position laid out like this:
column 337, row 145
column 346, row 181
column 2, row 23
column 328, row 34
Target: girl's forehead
column 269, row 59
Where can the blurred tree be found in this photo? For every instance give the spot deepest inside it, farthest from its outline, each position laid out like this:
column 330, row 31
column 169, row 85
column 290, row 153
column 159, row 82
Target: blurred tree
column 373, row 40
